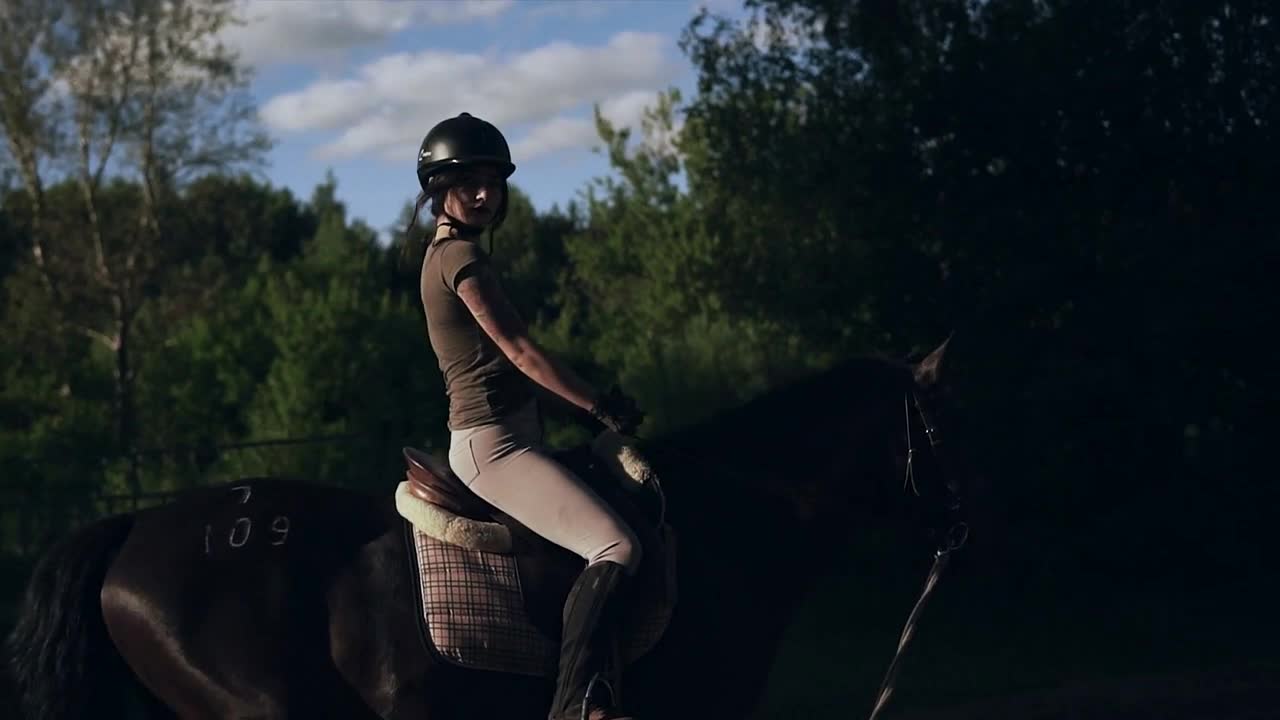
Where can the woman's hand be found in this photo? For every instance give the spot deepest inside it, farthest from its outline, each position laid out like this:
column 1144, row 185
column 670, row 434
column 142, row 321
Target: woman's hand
column 618, row 412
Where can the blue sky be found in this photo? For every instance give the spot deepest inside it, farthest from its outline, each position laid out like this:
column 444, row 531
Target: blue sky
column 353, row 86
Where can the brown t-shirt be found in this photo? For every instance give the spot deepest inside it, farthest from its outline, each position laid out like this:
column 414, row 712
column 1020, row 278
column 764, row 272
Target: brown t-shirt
column 482, row 384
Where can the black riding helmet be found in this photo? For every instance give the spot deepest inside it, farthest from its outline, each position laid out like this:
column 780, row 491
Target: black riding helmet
column 462, row 141
column 458, row 143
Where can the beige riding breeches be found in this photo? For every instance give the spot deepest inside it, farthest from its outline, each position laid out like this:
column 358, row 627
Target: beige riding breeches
column 506, row 465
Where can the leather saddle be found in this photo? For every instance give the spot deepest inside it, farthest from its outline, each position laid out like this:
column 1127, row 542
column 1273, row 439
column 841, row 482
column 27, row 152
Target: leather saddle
column 547, row 571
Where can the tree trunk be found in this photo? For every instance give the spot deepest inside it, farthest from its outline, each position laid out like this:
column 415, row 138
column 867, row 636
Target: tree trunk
column 126, row 416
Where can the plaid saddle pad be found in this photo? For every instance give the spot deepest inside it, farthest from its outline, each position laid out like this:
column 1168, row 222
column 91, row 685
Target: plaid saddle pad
column 475, row 616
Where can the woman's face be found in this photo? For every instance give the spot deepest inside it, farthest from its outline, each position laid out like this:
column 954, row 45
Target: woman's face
column 474, row 196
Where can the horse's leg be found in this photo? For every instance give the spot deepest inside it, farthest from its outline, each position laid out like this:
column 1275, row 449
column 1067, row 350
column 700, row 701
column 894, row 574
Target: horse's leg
column 243, row 674
column 222, row 617
column 206, row 652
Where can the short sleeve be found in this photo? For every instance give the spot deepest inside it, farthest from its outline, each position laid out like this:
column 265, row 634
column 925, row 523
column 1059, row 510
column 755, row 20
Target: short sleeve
column 458, row 260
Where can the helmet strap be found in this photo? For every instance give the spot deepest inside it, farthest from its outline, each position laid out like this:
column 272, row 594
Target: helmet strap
column 460, row 228
column 466, row 230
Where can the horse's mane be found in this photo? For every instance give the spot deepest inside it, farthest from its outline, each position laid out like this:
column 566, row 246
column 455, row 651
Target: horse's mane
column 795, row 407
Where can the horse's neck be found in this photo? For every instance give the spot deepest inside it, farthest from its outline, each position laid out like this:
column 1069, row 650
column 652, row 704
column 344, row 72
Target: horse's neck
column 742, row 533
column 744, row 566
column 755, row 499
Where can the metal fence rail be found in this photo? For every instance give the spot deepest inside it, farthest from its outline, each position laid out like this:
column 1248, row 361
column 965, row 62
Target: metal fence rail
column 31, row 519
column 34, row 514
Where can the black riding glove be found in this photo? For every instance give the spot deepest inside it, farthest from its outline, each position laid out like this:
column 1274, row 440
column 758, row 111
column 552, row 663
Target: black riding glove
column 617, row 412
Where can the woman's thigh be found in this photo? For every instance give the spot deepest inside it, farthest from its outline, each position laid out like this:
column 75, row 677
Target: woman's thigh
column 521, row 480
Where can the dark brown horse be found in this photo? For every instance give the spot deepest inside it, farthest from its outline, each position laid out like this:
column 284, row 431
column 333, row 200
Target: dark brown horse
column 299, row 602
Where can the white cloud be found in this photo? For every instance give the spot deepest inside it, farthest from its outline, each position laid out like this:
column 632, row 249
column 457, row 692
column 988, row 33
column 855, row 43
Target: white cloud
column 390, row 103
column 295, row 31
column 628, row 109
column 573, row 9
column 554, row 135
column 565, row 133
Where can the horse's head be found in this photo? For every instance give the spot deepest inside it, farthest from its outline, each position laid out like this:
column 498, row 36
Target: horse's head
column 936, row 470
column 887, row 435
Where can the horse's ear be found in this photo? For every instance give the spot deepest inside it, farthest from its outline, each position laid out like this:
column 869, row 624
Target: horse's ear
column 927, row 371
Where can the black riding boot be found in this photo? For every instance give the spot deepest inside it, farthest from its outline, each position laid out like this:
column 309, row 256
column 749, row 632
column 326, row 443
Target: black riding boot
column 585, row 647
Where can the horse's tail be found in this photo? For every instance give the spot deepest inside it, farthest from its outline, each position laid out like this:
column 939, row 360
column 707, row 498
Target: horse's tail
column 62, row 660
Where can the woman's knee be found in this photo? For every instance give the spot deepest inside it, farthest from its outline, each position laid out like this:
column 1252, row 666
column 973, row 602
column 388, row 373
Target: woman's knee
column 623, row 549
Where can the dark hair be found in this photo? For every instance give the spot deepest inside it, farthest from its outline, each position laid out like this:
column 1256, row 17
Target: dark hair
column 440, row 188
column 409, row 247
column 436, row 201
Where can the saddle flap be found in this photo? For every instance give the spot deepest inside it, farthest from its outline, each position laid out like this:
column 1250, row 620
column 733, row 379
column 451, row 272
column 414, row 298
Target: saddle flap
column 481, row 609
column 432, row 481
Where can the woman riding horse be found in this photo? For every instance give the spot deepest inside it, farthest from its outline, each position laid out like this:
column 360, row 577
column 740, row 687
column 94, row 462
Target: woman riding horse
column 490, row 365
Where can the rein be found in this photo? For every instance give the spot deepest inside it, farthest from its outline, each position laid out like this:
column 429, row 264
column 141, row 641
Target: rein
column 952, row 540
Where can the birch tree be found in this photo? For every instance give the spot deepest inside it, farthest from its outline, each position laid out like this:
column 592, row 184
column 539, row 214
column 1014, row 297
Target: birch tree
column 132, row 90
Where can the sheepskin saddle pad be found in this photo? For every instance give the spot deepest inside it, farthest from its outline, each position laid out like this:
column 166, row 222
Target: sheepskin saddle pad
column 492, row 591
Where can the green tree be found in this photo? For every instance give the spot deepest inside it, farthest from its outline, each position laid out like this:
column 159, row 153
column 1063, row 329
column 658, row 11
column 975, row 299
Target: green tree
column 238, row 219
column 349, row 359
column 136, row 87
column 1077, row 188
column 646, row 301
column 1050, row 178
